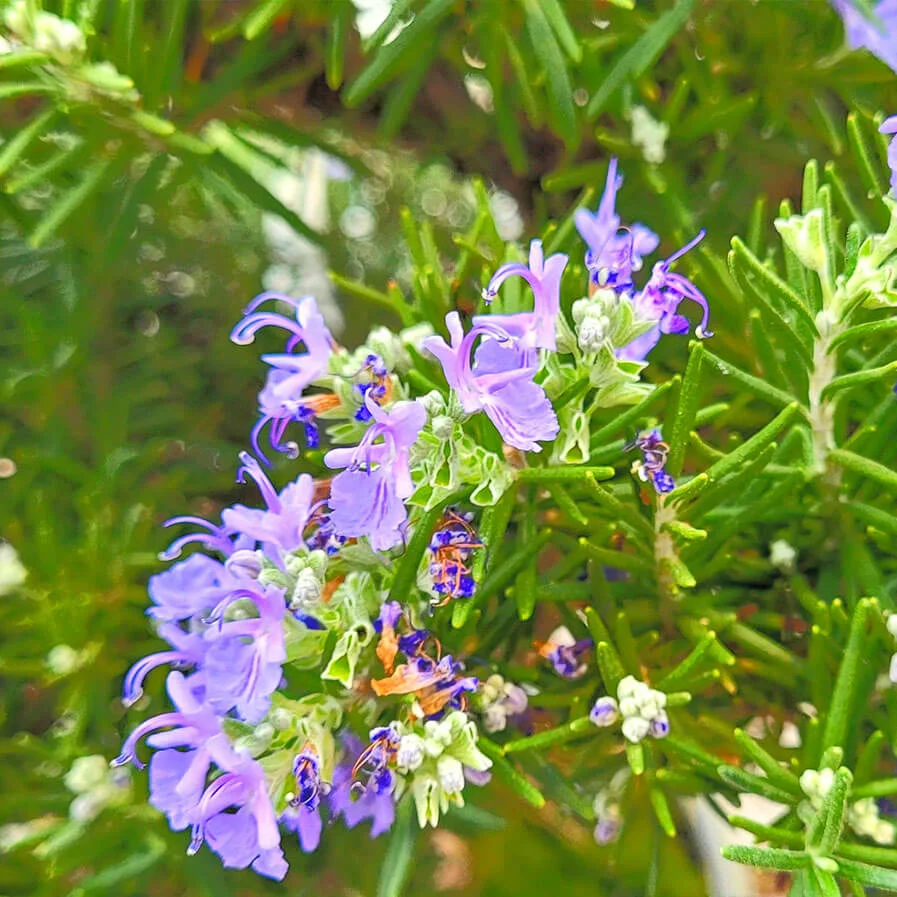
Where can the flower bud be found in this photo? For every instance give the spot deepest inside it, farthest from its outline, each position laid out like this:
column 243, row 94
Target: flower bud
column 410, row 754
column 244, row 563
column 635, row 728
column 451, row 774
column 605, row 712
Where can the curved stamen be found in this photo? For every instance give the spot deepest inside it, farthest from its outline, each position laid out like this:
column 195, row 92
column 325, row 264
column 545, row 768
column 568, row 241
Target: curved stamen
column 244, row 332
column 267, row 490
column 128, row 751
column 133, row 685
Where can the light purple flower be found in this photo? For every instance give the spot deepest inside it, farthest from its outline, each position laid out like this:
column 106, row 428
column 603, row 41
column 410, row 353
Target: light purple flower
column 535, row 329
column 193, row 725
column 367, row 498
column 659, row 302
column 279, row 527
column 889, row 126
column 281, row 400
column 355, row 800
column 497, row 381
column 876, row 33
column 250, row 836
column 613, row 256
column 188, row 649
column 306, row 823
column 189, row 588
column 242, row 675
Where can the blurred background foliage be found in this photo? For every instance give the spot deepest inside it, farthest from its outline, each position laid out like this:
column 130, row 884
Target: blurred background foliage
column 190, row 153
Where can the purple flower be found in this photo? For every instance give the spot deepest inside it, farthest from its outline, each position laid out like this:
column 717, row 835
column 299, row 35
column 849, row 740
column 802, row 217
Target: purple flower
column 248, row 837
column 177, row 782
column 371, row 798
column 356, row 801
column 306, row 823
column 498, row 382
column 535, row 329
column 654, row 458
column 189, row 649
column 189, row 588
column 216, row 538
column 659, row 302
column 242, row 675
column 877, row 33
column 281, row 401
column 565, row 653
column 367, row 498
column 889, row 126
column 280, row 526
column 605, row 712
column 612, row 256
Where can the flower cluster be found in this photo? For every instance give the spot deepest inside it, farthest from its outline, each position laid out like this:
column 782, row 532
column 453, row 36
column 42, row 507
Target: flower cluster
column 640, row 707
column 313, row 585
column 863, row 816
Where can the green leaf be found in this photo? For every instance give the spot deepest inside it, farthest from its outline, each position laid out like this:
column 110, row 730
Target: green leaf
column 8, row 91
column 335, row 56
column 833, row 809
column 871, row 876
column 554, row 12
column 662, row 812
column 861, row 331
column 686, row 408
column 775, row 772
column 390, row 58
column 871, row 469
column 635, row 757
column 518, row 783
column 399, row 853
column 760, row 388
column 641, row 55
column 262, row 17
column 499, row 577
column 68, row 204
column 13, row 149
column 748, row 783
column 767, row 857
column 560, row 94
column 552, row 737
column 563, row 474
column 744, row 453
column 858, row 378
column 841, row 708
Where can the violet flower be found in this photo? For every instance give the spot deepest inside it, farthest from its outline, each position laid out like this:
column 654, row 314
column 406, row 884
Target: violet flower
column 281, row 400
column 659, row 301
column 278, row 528
column 189, row 588
column 498, row 382
column 889, row 126
column 242, row 675
column 188, row 649
column 177, row 782
column 535, row 329
column 876, row 33
column 302, row 815
column 612, row 256
column 356, row 800
column 248, row 837
column 652, row 467
column 367, row 498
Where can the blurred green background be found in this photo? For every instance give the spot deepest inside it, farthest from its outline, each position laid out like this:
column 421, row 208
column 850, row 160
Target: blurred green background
column 299, row 132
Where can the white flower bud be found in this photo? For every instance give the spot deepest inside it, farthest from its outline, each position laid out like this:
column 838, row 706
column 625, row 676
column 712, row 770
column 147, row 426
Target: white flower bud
column 892, row 624
column 884, row 832
column 782, row 555
column 307, row 589
column 87, row 773
column 86, row 807
column 629, row 707
column 443, row 426
column 635, row 728
column 12, row 571
column 451, row 774
column 244, row 563
column 62, row 660
column 410, row 754
column 627, row 687
column 495, row 719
